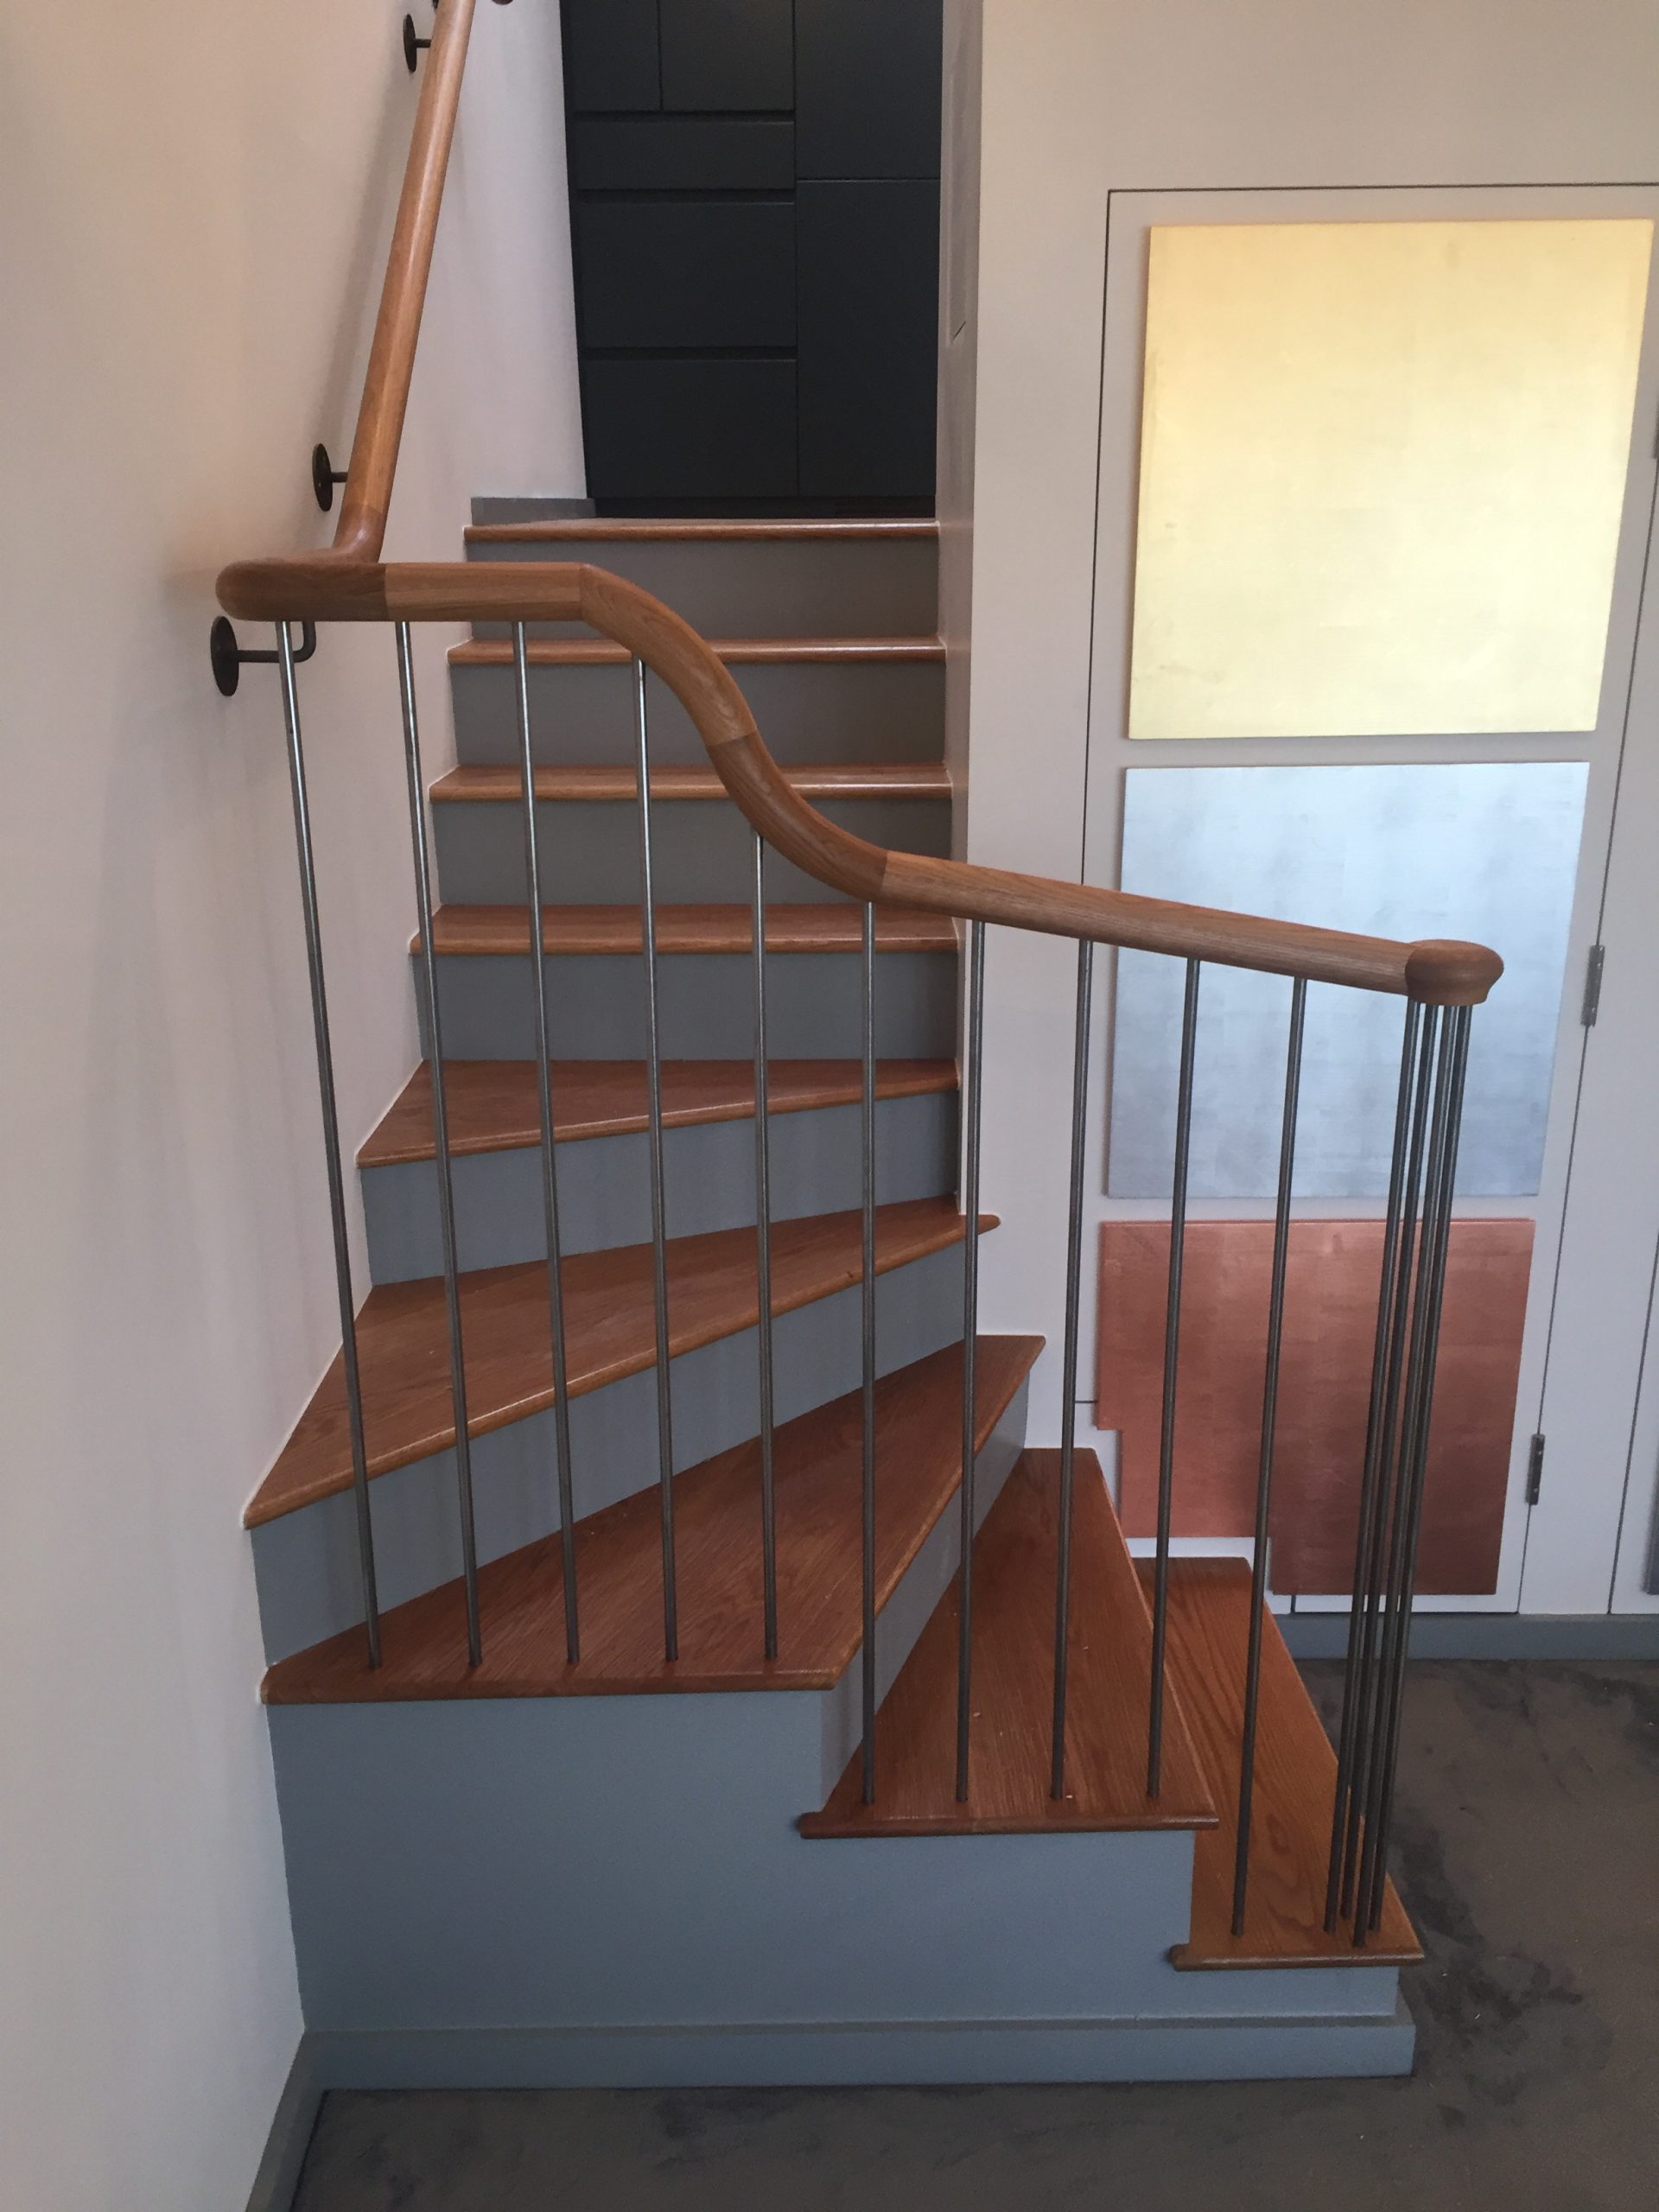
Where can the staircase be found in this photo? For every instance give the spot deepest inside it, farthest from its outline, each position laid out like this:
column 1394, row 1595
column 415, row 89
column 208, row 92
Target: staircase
column 629, row 1868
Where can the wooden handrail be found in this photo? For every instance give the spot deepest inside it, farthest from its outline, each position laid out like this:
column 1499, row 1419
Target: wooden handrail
column 367, row 499
column 1439, row 972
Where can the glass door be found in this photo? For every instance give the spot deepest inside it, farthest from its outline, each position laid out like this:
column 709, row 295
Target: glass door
column 1372, row 530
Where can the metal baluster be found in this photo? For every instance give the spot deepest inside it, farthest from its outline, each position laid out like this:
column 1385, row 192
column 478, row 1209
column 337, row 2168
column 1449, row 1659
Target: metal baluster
column 658, row 1230
column 867, row 1680
column 1264, row 1468
column 441, row 1141
column 1172, row 1367
column 549, row 1169
column 1068, row 1362
column 763, row 1256
column 973, row 1059
column 331, row 1144
column 1431, row 1286
column 1383, row 1500
column 1367, row 1523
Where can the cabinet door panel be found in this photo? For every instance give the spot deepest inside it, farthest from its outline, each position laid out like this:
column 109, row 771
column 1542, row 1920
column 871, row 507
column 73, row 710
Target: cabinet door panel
column 868, row 87
column 686, row 272
column 666, row 429
column 725, row 54
column 682, row 153
column 611, row 54
column 869, row 282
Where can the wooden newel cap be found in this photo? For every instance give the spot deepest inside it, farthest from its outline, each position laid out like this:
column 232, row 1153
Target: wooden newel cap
column 1444, row 971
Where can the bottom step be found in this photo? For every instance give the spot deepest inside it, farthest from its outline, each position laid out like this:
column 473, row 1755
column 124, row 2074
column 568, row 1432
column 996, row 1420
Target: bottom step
column 1295, row 1784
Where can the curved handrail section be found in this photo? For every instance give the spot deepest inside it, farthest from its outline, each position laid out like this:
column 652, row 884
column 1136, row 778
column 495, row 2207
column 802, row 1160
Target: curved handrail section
column 367, row 500
column 1435, row 971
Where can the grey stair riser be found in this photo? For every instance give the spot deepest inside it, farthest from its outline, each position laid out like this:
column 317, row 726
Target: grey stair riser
column 730, row 587
column 605, row 1189
column 597, row 1008
column 702, row 849
column 850, row 711
column 912, row 1603
column 305, row 1564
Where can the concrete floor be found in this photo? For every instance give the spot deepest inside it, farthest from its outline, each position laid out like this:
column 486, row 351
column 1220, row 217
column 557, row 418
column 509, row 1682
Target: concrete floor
column 1529, row 1854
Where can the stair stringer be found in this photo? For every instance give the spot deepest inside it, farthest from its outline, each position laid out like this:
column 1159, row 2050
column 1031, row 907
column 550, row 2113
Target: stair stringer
column 612, row 1891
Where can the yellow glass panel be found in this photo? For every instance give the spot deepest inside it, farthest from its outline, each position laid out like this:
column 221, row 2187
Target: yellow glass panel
column 1382, row 470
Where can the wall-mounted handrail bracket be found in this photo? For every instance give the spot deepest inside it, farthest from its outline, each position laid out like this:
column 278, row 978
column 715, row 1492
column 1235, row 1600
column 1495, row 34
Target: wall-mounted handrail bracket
column 229, row 659
column 324, row 477
column 413, row 47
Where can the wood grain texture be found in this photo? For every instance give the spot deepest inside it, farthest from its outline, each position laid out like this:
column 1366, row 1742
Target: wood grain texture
column 792, row 928
column 600, row 530
column 1436, row 971
column 367, row 498
column 734, row 652
column 500, row 786
column 495, row 1105
column 1296, row 1784
column 817, row 1473
column 1324, row 1394
column 1109, row 1672
column 402, row 1342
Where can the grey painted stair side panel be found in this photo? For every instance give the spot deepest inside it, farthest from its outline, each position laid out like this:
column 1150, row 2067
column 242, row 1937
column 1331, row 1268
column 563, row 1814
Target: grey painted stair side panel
column 854, row 2053
column 596, row 1006
column 605, row 1195
column 771, row 588
column 631, row 1863
column 305, row 1564
column 849, row 711
column 702, row 849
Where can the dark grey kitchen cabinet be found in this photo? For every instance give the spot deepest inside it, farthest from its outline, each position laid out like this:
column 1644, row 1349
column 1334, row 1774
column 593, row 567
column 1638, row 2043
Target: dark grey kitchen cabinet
column 754, row 215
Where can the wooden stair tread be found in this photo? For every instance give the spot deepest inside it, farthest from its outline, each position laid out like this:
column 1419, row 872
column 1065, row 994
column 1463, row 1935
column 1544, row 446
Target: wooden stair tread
column 1110, row 1662
column 495, row 1105
column 1295, row 1780
column 403, row 1340
column 818, row 1469
column 624, row 530
column 836, row 926
column 692, row 780
column 737, row 653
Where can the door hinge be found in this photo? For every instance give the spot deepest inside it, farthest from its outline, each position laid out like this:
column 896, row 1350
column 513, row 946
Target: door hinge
column 1593, row 967
column 1534, row 1470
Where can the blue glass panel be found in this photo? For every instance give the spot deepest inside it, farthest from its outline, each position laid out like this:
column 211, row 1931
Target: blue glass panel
column 1486, row 850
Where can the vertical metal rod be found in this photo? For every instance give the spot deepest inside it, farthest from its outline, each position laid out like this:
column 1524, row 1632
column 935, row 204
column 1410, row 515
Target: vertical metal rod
column 1383, row 1504
column 658, row 1211
column 763, row 1256
column 1172, row 1370
column 1370, row 1473
column 1264, row 1467
column 366, row 1582
column 441, row 1142
column 550, row 1168
column 972, row 1073
column 1069, row 1363
column 1448, row 1112
column 868, row 1678
column 1394, row 1628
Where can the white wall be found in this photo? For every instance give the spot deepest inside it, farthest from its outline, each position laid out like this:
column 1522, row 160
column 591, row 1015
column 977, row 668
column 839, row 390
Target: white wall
column 196, row 197
column 1081, row 97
